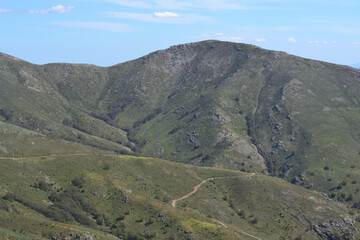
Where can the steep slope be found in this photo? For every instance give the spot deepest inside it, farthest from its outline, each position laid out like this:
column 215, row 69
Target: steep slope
column 81, row 193
column 30, row 99
column 211, row 103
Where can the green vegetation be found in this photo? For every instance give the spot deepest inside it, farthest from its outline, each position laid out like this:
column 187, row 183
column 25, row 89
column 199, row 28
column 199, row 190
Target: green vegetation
column 210, row 104
column 76, row 195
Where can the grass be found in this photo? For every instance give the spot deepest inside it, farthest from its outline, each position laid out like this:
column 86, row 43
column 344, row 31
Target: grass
column 139, row 192
column 210, row 104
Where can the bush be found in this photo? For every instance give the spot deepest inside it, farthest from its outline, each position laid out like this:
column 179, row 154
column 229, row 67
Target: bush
column 10, row 197
column 254, row 221
column 106, row 166
column 7, row 114
column 43, row 186
column 241, row 213
column 78, row 181
column 350, row 197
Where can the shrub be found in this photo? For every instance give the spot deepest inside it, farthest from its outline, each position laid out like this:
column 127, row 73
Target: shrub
column 350, row 197
column 77, row 181
column 7, row 114
column 254, row 221
column 42, row 186
column 106, row 166
column 241, row 213
column 10, row 197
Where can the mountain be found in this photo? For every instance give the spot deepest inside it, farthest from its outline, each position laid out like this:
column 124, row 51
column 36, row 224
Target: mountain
column 212, row 104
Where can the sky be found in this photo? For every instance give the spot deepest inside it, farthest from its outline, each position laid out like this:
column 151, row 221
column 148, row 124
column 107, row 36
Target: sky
column 108, row 32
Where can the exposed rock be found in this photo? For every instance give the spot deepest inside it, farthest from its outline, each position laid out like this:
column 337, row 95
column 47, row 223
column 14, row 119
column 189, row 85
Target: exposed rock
column 278, row 127
column 336, row 229
column 222, row 118
column 86, row 236
column 280, row 145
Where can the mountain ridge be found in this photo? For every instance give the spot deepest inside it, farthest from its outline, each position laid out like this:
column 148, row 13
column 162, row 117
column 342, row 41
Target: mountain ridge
column 214, row 104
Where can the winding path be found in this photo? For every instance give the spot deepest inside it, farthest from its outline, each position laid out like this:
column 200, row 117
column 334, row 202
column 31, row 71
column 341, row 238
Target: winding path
column 197, row 187
column 173, row 203
column 52, row 155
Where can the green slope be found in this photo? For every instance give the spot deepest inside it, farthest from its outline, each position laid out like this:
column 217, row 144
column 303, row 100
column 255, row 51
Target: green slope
column 76, row 191
column 211, row 103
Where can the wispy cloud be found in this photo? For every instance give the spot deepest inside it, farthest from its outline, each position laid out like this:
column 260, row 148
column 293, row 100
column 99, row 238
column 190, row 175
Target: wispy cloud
column 112, row 27
column 6, row 10
column 356, row 43
column 184, row 4
column 231, row 38
column 166, row 14
column 292, row 40
column 152, row 4
column 58, row 9
column 222, row 37
column 166, row 17
column 316, row 42
column 260, row 40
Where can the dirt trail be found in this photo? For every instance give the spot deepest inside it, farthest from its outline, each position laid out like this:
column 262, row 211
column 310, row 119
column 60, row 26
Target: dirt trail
column 248, row 234
column 197, row 187
column 221, row 223
column 52, row 155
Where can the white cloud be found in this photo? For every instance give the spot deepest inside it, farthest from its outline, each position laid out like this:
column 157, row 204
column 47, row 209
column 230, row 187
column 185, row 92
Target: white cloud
column 221, row 37
column 166, row 14
column 6, row 10
column 128, row 3
column 323, row 42
column 145, row 17
column 236, row 39
column 184, row 4
column 61, row 9
column 58, row 9
column 113, row 27
column 356, row 43
column 152, row 4
column 292, row 40
column 204, row 36
column 260, row 40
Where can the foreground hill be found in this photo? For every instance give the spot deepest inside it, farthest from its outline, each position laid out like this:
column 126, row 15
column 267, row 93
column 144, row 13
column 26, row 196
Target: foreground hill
column 88, row 194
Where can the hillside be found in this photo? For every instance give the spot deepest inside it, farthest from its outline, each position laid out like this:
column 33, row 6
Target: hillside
column 90, row 193
column 212, row 104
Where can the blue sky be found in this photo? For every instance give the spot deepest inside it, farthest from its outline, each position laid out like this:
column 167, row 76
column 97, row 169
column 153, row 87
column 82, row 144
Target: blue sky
column 107, row 32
